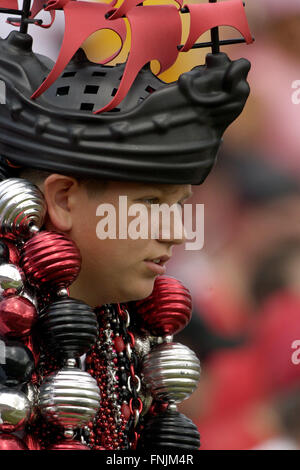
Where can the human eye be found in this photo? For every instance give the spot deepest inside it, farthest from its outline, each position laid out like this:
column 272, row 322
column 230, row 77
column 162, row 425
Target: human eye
column 150, row 200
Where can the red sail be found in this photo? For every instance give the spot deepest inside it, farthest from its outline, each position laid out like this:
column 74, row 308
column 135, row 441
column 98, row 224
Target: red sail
column 155, row 34
column 37, row 6
column 207, row 16
column 12, row 4
column 81, row 20
column 127, row 5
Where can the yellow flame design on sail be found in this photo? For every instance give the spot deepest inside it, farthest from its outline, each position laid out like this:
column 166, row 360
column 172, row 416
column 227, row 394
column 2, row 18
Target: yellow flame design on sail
column 103, row 44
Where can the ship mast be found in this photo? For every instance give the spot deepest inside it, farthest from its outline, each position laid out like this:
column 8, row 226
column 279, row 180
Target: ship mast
column 25, row 16
column 215, row 38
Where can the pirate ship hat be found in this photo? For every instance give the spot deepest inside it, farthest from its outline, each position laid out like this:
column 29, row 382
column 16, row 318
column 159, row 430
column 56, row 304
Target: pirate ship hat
column 123, row 123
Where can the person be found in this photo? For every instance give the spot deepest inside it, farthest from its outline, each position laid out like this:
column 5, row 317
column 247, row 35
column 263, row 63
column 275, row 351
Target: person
column 60, row 164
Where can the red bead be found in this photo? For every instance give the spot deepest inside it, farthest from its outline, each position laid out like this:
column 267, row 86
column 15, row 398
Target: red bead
column 125, row 410
column 50, row 259
column 119, row 344
column 68, row 445
column 17, row 316
column 168, row 309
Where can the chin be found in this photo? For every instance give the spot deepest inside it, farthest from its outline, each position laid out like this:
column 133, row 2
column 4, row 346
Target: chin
column 140, row 291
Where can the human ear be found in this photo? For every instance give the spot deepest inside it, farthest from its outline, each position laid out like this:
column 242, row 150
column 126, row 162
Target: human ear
column 60, row 192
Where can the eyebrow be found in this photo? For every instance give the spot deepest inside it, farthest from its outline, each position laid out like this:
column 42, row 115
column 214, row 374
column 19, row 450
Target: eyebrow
column 186, row 195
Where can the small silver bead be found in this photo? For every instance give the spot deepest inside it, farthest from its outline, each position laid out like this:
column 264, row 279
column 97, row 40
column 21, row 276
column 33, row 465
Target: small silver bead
column 62, row 292
column 172, row 406
column 71, row 362
column 168, row 339
column 69, row 433
column 33, row 229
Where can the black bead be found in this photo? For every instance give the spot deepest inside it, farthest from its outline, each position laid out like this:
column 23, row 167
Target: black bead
column 4, row 252
column 16, row 363
column 135, row 361
column 169, row 431
column 123, row 378
column 69, row 327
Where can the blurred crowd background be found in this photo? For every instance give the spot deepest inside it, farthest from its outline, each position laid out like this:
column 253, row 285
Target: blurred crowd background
column 245, row 282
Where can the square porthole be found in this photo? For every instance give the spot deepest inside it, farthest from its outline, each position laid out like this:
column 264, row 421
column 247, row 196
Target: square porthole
column 68, row 74
column 149, row 89
column 98, row 74
column 91, row 89
column 86, row 106
column 62, row 91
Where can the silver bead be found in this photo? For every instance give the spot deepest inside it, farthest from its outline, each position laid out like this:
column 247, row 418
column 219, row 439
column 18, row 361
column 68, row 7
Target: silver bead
column 33, row 229
column 63, row 292
column 22, row 205
column 70, row 362
column 142, row 345
column 15, row 408
column 70, row 397
column 168, row 338
column 171, row 371
column 172, row 406
column 69, row 433
column 11, row 277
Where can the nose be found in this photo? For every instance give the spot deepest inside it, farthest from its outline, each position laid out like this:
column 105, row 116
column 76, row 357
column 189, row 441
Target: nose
column 171, row 228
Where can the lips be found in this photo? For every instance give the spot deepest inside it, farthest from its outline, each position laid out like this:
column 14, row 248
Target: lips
column 157, row 265
column 161, row 260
